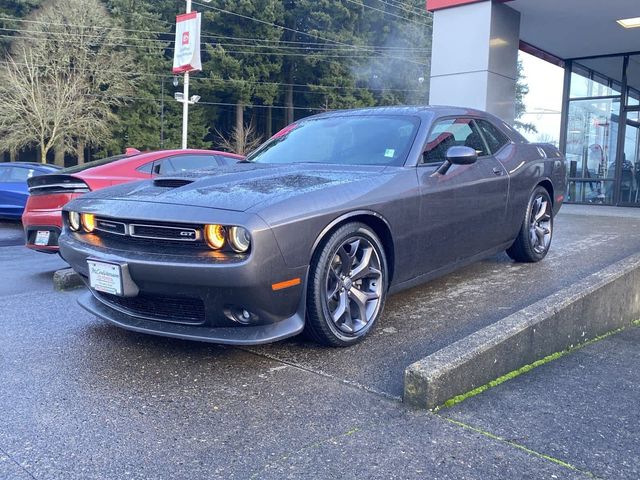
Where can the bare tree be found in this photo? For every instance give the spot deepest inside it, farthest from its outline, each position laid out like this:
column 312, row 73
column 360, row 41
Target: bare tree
column 242, row 140
column 63, row 77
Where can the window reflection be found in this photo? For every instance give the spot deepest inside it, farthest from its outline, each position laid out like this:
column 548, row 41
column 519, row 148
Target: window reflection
column 596, row 191
column 630, row 175
column 598, row 171
column 591, row 138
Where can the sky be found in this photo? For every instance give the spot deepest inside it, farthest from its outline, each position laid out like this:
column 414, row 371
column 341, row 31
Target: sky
column 544, row 100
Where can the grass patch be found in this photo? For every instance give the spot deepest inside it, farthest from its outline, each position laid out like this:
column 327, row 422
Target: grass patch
column 460, row 398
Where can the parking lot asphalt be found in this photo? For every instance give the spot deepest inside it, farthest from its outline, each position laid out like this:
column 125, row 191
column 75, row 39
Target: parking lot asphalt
column 83, row 399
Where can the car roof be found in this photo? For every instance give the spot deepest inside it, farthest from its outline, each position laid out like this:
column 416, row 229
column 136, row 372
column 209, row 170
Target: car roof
column 414, row 110
column 425, row 112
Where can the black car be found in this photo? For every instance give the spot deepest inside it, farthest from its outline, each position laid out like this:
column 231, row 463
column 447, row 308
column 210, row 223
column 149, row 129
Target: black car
column 315, row 228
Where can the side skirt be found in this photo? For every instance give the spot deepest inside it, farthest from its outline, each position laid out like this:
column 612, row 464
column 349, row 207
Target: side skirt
column 447, row 269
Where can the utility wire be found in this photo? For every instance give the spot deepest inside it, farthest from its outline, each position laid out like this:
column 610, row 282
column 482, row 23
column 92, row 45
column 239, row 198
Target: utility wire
column 171, row 35
column 230, row 80
column 410, row 10
column 339, row 48
column 319, row 37
column 406, row 19
column 200, row 102
column 166, row 43
column 316, row 55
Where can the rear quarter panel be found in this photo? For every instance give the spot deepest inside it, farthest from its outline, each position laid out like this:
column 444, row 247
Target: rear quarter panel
column 528, row 165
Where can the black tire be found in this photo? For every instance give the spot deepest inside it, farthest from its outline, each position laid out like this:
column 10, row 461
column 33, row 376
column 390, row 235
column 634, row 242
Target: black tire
column 330, row 286
column 534, row 238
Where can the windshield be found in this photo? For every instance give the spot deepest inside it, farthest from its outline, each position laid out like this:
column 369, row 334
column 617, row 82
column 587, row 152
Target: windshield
column 347, row 140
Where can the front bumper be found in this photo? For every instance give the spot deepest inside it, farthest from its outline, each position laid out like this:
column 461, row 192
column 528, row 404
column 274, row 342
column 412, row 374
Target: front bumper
column 190, row 296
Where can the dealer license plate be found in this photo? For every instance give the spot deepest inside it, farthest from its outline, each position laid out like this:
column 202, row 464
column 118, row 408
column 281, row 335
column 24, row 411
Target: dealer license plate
column 42, row 237
column 105, row 277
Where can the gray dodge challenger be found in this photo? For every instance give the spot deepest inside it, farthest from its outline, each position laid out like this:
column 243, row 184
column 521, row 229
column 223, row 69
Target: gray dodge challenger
column 316, row 227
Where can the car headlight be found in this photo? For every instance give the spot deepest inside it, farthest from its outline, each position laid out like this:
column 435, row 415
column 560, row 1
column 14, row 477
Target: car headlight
column 215, row 236
column 239, row 239
column 88, row 222
column 74, row 221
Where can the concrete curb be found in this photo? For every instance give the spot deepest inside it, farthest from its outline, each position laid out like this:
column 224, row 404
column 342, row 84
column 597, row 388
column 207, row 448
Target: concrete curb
column 66, row 279
column 607, row 300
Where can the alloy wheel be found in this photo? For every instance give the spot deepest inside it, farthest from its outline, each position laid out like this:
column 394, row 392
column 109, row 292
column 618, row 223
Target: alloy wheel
column 354, row 285
column 540, row 224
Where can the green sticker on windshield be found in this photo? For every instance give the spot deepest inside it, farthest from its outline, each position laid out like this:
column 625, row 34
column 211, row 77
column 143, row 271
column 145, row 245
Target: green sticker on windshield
column 389, row 152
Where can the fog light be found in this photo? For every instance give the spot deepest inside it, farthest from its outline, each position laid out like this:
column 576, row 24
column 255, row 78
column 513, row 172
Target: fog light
column 88, row 222
column 214, row 235
column 240, row 315
column 74, row 221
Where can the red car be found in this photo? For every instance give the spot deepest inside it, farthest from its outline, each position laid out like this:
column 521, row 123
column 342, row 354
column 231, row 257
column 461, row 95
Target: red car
column 42, row 218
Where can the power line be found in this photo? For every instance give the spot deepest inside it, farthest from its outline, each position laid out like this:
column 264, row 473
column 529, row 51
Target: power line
column 252, row 82
column 345, row 45
column 253, row 39
column 313, row 55
column 406, row 19
column 410, row 10
column 337, row 48
column 222, row 10
column 200, row 102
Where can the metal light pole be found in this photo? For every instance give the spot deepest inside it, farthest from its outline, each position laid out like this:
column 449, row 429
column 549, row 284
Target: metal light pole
column 185, row 104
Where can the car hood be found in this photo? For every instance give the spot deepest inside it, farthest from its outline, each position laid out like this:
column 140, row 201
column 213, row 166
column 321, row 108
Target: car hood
column 238, row 187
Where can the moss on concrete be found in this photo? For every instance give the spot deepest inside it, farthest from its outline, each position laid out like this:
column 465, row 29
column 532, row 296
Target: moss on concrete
column 521, row 447
column 460, row 398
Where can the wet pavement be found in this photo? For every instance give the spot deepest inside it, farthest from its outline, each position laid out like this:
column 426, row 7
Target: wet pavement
column 83, row 399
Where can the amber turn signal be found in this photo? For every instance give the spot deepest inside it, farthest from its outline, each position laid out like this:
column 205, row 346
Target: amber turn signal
column 88, row 222
column 286, row 284
column 215, row 236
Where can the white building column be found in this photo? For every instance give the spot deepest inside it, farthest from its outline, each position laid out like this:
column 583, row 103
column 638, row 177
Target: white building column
column 474, row 59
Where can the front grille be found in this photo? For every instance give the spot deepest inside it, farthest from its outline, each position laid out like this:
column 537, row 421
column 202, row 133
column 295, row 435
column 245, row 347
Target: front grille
column 109, row 226
column 159, row 307
column 180, row 234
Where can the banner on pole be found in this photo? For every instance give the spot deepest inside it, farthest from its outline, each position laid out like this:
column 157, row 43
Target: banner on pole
column 186, row 56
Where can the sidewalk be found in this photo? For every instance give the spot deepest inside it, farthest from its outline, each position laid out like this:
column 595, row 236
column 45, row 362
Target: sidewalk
column 581, row 411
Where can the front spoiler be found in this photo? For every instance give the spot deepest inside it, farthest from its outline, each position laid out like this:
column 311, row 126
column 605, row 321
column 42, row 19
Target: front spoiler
column 240, row 335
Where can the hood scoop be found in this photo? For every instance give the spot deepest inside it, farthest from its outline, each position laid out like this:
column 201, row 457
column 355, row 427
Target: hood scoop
column 171, row 182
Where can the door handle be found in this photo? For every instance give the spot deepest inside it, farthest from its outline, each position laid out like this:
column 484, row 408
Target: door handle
column 498, row 171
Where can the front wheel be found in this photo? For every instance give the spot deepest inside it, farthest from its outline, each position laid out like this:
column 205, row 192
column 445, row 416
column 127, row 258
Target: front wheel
column 347, row 286
column 534, row 238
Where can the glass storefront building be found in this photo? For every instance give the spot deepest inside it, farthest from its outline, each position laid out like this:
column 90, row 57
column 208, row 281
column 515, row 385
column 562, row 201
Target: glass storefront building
column 601, row 130
column 597, row 42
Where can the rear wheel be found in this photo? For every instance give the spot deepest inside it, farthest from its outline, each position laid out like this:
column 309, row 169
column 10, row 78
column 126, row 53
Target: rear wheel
column 347, row 286
column 534, row 238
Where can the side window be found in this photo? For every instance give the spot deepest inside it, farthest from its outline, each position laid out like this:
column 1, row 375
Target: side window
column 450, row 133
column 19, row 174
column 494, row 137
column 183, row 163
column 146, row 168
column 37, row 173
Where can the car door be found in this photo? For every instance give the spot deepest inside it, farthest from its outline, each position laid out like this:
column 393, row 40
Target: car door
column 463, row 210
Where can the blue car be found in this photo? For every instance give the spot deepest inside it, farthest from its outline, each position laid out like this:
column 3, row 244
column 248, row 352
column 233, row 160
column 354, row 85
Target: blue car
column 13, row 186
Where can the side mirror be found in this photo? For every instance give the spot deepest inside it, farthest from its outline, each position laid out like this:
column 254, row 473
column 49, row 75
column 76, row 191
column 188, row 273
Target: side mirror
column 458, row 156
column 461, row 155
